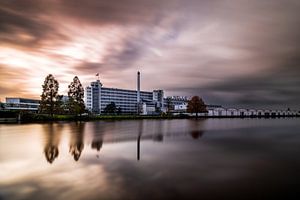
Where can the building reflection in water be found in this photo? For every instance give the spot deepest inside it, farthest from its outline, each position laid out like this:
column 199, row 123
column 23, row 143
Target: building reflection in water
column 53, row 135
column 159, row 136
column 97, row 141
column 76, row 141
column 197, row 128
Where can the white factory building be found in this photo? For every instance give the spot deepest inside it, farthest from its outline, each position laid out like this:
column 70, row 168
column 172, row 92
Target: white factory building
column 98, row 97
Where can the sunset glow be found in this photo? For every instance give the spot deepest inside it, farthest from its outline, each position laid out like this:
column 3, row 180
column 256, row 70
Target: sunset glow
column 233, row 53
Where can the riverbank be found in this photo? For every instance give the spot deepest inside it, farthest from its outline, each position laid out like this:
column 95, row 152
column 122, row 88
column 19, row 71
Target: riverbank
column 29, row 117
column 33, row 117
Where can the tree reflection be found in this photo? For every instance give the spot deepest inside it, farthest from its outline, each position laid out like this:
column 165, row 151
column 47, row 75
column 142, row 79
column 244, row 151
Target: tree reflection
column 196, row 134
column 97, row 144
column 76, row 144
column 197, row 127
column 53, row 134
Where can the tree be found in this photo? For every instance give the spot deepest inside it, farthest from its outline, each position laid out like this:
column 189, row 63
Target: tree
column 49, row 96
column 76, row 94
column 111, row 108
column 196, row 105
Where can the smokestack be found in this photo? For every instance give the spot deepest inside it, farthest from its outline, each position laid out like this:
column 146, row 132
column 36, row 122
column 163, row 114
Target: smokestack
column 138, row 87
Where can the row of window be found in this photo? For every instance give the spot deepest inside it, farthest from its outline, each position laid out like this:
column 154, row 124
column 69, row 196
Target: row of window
column 118, row 105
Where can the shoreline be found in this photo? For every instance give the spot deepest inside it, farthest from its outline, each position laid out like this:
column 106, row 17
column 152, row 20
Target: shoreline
column 32, row 118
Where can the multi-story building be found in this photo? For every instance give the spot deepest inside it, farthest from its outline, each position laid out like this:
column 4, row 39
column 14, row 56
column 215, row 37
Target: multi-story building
column 98, row 97
column 21, row 104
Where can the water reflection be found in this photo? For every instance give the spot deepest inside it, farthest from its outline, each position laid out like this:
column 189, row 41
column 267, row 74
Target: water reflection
column 197, row 128
column 155, row 132
column 140, row 132
column 226, row 163
column 76, row 144
column 97, row 141
column 196, row 134
column 158, row 136
column 53, row 135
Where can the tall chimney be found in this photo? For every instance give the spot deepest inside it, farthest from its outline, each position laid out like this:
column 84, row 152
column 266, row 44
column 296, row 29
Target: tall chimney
column 138, row 87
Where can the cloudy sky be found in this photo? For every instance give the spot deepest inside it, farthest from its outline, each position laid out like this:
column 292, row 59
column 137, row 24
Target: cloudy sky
column 234, row 53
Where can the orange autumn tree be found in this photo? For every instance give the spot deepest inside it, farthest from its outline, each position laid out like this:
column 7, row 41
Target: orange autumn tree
column 196, row 105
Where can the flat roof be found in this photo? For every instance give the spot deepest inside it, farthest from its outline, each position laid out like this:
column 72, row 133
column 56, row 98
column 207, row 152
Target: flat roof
column 125, row 90
column 20, row 98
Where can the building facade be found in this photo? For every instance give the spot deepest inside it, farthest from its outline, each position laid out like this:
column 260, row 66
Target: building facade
column 21, row 104
column 176, row 104
column 98, row 97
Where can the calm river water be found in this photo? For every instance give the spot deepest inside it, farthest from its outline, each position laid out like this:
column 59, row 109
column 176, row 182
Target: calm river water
column 151, row 159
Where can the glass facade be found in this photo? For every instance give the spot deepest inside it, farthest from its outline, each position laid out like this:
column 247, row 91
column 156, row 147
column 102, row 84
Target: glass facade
column 22, row 104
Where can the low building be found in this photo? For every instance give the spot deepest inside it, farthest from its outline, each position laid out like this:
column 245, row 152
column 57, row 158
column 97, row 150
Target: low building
column 17, row 103
column 232, row 112
column 175, row 104
column 260, row 113
column 217, row 111
column 252, row 112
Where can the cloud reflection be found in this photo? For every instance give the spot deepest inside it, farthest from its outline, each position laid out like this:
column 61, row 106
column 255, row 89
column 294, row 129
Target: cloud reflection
column 238, row 152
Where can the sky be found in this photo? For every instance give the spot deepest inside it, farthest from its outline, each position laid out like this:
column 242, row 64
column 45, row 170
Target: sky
column 231, row 52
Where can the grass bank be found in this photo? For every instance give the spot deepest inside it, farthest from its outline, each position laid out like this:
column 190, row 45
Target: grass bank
column 32, row 117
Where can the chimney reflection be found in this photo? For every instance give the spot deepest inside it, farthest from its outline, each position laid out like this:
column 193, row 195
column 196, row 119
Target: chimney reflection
column 53, row 134
column 76, row 144
column 140, row 132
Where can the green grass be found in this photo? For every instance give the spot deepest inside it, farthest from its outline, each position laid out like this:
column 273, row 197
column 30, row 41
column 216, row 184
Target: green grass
column 33, row 117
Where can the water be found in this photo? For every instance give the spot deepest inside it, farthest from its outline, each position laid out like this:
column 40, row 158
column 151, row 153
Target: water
column 151, row 159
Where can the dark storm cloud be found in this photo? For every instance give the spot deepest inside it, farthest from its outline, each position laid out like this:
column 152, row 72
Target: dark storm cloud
column 268, row 34
column 25, row 30
column 115, row 12
column 115, row 60
column 277, row 86
column 88, row 67
column 96, row 11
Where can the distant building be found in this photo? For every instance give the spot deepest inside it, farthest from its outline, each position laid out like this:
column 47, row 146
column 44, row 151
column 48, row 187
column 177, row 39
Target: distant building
column 158, row 97
column 65, row 98
column 21, row 104
column 98, row 97
column 219, row 111
column 175, row 104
